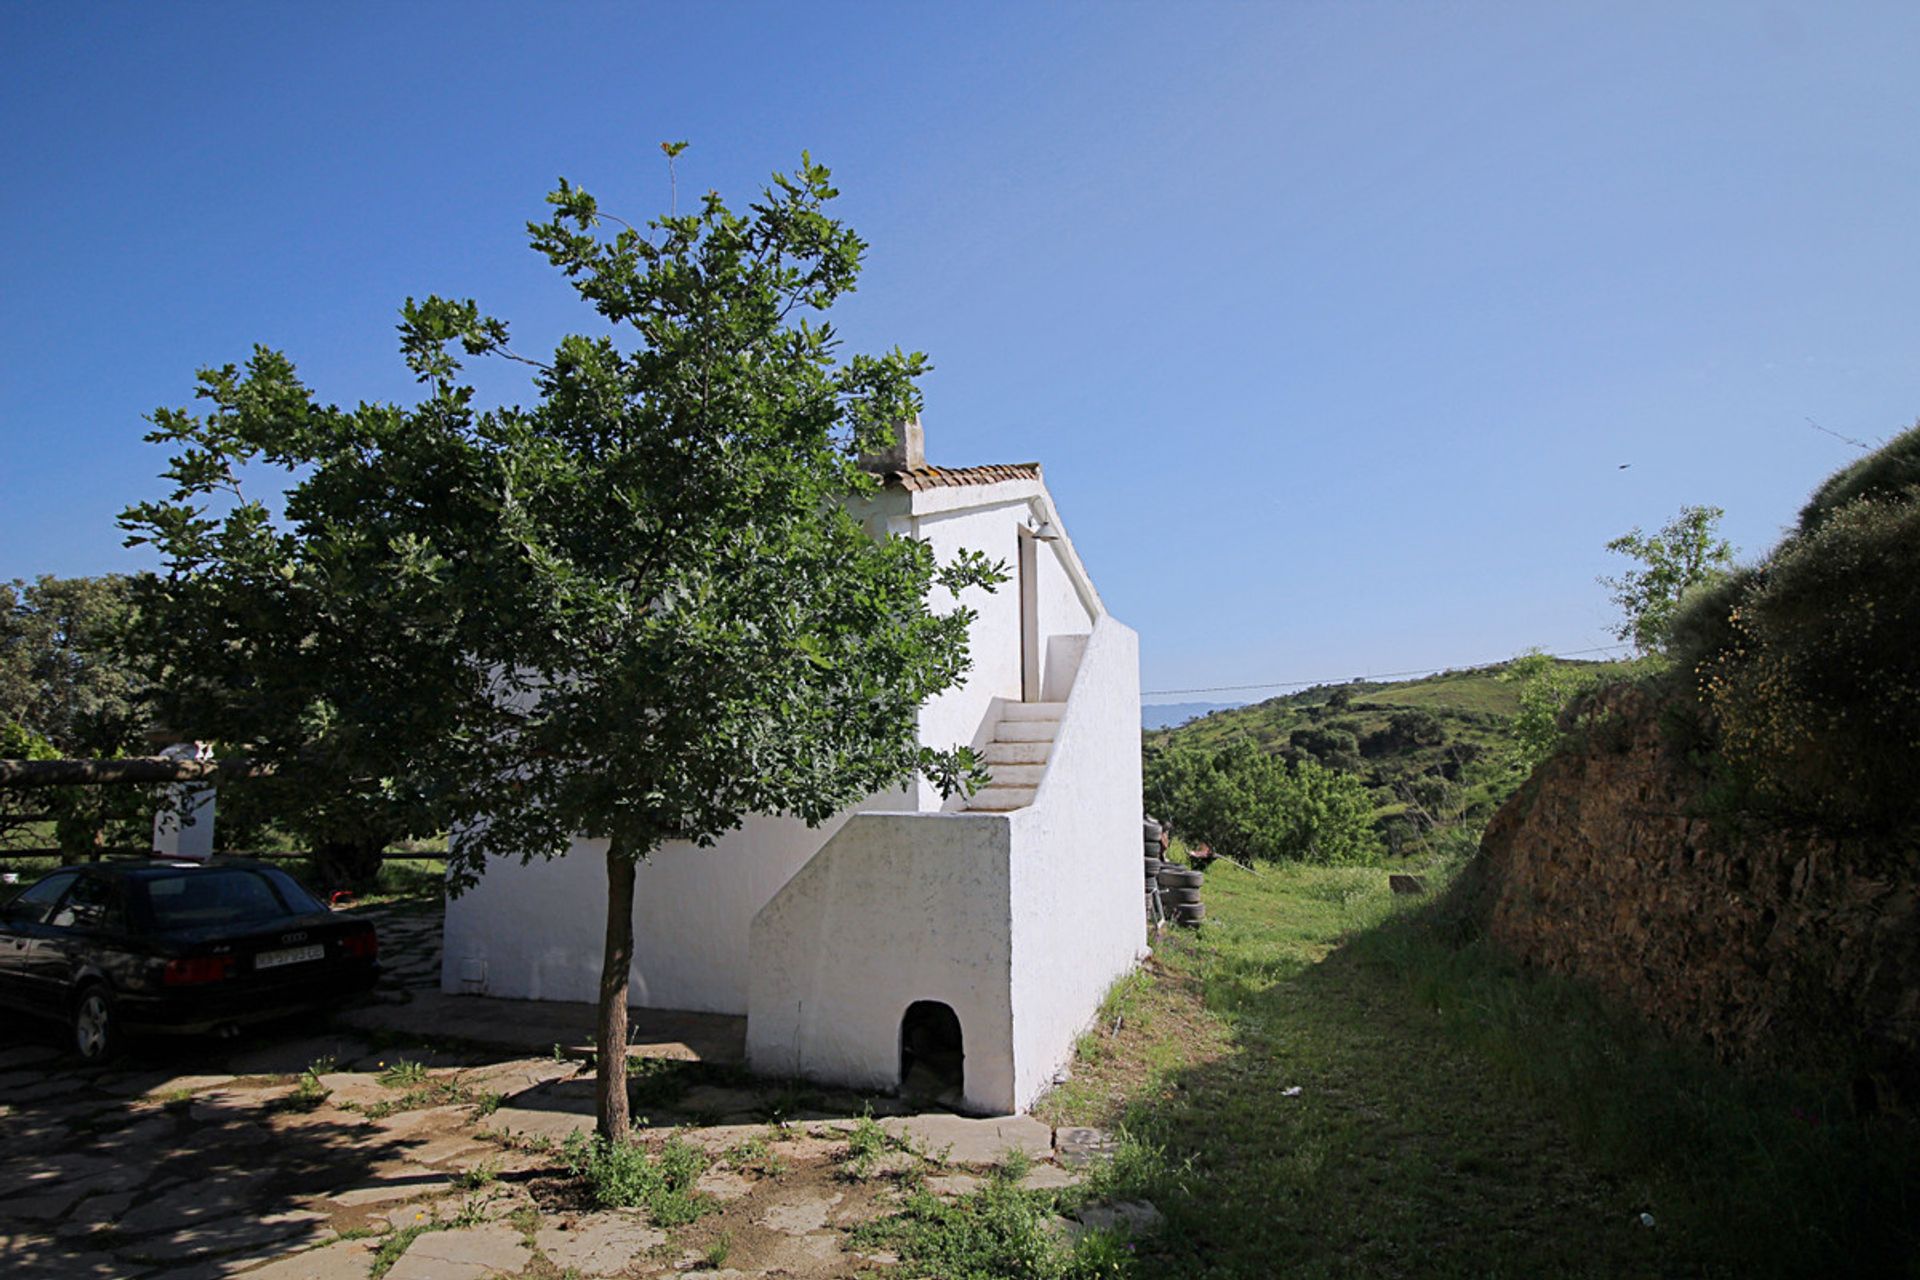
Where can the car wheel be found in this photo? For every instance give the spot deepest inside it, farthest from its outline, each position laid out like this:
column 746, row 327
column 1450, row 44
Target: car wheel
column 96, row 1024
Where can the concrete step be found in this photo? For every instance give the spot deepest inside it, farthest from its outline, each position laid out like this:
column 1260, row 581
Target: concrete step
column 1025, row 730
column 1000, row 799
column 1032, row 710
column 999, row 753
column 1018, row 775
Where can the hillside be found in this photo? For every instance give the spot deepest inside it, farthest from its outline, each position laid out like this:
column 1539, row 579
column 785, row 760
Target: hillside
column 1171, row 715
column 1434, row 751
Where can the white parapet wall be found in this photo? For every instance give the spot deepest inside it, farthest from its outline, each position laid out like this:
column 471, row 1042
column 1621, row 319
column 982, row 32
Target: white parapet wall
column 897, row 908
column 1077, row 899
column 1018, row 922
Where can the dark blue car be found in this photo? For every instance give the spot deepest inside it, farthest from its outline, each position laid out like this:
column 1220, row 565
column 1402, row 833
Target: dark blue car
column 110, row 948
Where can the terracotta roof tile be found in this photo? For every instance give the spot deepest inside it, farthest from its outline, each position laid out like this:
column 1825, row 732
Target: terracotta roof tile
column 917, row 478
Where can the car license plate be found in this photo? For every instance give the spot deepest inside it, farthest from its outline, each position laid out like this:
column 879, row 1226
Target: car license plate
column 292, row 955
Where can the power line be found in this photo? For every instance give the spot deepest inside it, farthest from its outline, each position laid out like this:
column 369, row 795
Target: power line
column 1377, row 675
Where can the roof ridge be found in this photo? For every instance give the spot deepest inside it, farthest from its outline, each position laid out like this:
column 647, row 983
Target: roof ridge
column 929, row 476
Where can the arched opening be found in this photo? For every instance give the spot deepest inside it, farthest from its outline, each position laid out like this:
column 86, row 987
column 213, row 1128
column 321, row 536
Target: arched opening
column 932, row 1059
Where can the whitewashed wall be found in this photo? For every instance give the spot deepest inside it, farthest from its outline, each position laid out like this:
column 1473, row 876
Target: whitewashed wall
column 1078, row 919
column 539, row 929
column 1062, row 614
column 896, row 908
column 964, row 716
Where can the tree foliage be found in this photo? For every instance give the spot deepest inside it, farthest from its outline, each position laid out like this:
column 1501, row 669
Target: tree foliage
column 641, row 609
column 1806, row 664
column 1686, row 553
column 1248, row 804
column 68, row 688
column 1546, row 687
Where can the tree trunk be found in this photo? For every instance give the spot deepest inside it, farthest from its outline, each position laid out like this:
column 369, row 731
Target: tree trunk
column 615, row 967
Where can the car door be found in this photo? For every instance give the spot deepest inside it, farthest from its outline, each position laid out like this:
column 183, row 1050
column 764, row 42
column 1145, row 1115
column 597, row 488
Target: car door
column 71, row 941
column 22, row 923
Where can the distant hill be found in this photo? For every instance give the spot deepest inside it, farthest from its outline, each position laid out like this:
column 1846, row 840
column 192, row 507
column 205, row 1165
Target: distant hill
column 1434, row 751
column 1166, row 715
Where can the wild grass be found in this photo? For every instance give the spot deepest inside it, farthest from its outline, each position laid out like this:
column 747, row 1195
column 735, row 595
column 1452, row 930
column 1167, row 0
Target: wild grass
column 1379, row 1099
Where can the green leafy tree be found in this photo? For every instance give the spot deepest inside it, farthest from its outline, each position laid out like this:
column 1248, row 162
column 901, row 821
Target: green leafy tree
column 639, row 610
column 1245, row 803
column 1687, row 552
column 1546, row 686
column 70, row 687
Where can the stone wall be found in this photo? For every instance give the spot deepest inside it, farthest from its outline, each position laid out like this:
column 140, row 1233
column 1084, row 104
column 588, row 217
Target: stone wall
column 1769, row 945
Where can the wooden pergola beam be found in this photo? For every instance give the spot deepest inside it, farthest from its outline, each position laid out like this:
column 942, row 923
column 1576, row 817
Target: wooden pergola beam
column 17, row 775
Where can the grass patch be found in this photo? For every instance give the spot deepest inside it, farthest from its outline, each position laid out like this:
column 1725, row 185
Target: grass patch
column 1330, row 1084
column 996, row 1233
column 395, row 1245
column 627, row 1175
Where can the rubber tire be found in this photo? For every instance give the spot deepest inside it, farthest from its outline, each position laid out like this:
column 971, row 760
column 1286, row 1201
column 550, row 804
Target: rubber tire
column 1153, row 866
column 1151, row 831
column 1175, row 877
column 1190, row 913
column 1179, row 897
column 96, row 1024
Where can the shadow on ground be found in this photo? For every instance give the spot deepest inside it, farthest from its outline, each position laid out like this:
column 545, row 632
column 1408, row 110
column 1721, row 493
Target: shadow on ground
column 1351, row 1131
column 160, row 1161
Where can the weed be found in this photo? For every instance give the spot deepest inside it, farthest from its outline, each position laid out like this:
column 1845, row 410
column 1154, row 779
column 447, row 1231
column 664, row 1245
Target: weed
column 717, row 1252
column 625, row 1175
column 755, row 1155
column 473, row 1211
column 997, row 1231
column 487, row 1103
column 1015, row 1164
column 484, row 1174
column 308, row 1092
column 866, row 1144
column 403, row 1074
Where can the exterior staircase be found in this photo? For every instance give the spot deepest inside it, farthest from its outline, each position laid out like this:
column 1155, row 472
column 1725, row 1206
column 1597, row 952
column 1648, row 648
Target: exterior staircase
column 1017, row 756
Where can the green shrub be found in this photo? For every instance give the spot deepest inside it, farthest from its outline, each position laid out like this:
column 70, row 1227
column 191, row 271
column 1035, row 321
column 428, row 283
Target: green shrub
column 1890, row 472
column 626, row 1175
column 1703, row 629
column 1819, row 695
column 1247, row 804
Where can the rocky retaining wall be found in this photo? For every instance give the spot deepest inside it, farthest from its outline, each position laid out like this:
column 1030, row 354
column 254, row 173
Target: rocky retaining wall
column 1770, row 945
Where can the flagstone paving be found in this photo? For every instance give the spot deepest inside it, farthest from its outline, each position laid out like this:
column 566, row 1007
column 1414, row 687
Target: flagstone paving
column 200, row 1158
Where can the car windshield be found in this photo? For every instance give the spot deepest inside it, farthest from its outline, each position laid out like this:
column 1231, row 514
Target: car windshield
column 207, row 899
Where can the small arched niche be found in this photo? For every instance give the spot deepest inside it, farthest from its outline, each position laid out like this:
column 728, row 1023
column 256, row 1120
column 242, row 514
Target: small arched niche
column 932, row 1055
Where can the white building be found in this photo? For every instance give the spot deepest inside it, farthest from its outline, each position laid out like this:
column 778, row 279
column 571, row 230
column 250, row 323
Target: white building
column 854, row 947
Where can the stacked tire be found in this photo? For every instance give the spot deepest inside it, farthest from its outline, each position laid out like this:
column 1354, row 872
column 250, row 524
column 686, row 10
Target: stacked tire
column 1151, row 833
column 1180, row 895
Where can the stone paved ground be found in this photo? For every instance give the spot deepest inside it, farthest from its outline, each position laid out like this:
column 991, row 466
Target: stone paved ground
column 299, row 1152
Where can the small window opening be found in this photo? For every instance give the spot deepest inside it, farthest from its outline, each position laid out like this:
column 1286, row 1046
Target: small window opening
column 932, row 1060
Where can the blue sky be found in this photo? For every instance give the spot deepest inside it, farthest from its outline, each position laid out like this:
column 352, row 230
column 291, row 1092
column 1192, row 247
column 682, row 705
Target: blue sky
column 1332, row 324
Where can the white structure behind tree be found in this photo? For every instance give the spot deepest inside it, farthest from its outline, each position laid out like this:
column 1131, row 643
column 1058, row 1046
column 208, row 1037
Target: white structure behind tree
column 853, row 948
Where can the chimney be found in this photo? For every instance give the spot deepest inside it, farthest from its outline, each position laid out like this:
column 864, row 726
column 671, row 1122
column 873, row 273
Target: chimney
column 907, row 452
